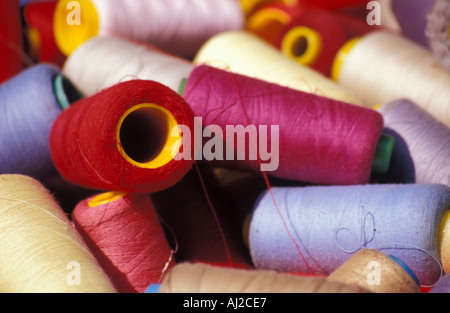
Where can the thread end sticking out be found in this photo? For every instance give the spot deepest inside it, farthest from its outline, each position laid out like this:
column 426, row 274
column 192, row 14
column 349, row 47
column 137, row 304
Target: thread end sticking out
column 383, row 154
column 66, row 93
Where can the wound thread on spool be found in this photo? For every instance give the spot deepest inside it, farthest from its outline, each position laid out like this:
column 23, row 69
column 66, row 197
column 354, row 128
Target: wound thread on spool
column 132, row 147
column 442, row 286
column 332, row 223
column 394, row 68
column 244, row 53
column 422, row 144
column 42, row 252
column 124, row 234
column 202, row 278
column 179, row 27
column 377, row 272
column 320, row 140
column 438, row 32
column 102, row 62
column 315, row 37
column 11, row 54
column 29, row 103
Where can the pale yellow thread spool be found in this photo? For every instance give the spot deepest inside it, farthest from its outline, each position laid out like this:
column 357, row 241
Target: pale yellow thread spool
column 244, row 53
column 383, row 66
column 41, row 250
column 201, row 278
column 376, row 272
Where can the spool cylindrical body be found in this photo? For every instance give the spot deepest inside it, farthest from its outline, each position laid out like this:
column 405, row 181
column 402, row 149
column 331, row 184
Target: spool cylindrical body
column 442, row 286
column 29, row 105
column 114, row 140
column 244, row 53
column 319, row 140
column 200, row 278
column 42, row 252
column 126, row 237
column 330, row 224
column 179, row 27
column 422, row 144
column 102, row 62
column 395, row 67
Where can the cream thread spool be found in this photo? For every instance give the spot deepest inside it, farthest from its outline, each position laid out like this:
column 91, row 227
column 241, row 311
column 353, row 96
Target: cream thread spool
column 244, row 53
column 42, row 251
column 376, row 272
column 102, row 62
column 202, row 278
column 381, row 67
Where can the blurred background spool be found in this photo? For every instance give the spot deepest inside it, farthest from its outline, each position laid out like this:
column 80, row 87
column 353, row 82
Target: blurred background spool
column 102, row 62
column 120, row 139
column 41, row 249
column 201, row 278
column 412, row 18
column 179, row 27
column 29, row 104
column 201, row 221
column 422, row 145
column 330, row 224
column 442, row 286
column 38, row 29
column 124, row 234
column 11, row 48
column 438, row 32
column 312, row 134
column 394, row 67
column 314, row 37
column 245, row 53
column 269, row 19
column 377, row 272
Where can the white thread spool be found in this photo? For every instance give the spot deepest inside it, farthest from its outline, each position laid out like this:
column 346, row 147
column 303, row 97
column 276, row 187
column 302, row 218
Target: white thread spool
column 102, row 62
column 176, row 26
column 381, row 67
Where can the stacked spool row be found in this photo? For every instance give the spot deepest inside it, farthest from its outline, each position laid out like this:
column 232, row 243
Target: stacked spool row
column 97, row 130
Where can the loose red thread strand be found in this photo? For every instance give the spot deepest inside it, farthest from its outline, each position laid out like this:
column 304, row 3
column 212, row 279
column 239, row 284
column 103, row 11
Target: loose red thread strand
column 266, row 179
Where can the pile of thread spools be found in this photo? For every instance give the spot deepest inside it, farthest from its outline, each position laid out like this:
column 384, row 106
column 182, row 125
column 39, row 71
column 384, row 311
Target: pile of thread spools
column 225, row 146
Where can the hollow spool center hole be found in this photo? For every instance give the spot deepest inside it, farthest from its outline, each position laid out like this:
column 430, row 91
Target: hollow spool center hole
column 143, row 134
column 299, row 46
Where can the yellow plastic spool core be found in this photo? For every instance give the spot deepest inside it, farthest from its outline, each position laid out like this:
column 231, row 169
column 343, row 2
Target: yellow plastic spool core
column 267, row 23
column 106, row 198
column 341, row 57
column 144, row 136
column 74, row 23
column 444, row 240
column 302, row 44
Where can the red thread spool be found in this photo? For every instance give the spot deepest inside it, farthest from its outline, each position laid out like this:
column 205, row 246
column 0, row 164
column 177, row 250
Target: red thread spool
column 40, row 34
column 321, row 140
column 315, row 37
column 202, row 221
column 121, row 138
column 269, row 20
column 11, row 62
column 124, row 234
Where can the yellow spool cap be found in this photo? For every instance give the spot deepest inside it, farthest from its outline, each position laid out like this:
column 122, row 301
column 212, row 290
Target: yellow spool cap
column 144, row 136
column 267, row 23
column 302, row 44
column 341, row 57
column 444, row 240
column 106, row 198
column 74, row 23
